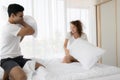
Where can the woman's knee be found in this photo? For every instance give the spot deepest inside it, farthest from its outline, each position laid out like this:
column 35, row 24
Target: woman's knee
column 67, row 59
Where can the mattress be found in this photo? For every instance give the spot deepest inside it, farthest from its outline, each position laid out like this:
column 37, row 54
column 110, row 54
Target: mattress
column 74, row 71
column 110, row 77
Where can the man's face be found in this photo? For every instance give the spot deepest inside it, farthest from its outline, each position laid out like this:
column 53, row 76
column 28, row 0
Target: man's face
column 18, row 18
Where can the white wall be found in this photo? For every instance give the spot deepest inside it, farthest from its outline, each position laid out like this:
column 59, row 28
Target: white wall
column 110, row 31
column 118, row 32
column 78, row 3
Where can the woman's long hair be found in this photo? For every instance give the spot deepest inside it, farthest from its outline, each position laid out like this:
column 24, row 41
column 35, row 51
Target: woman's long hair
column 78, row 25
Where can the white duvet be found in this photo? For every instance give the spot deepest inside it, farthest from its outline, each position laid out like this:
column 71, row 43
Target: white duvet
column 55, row 70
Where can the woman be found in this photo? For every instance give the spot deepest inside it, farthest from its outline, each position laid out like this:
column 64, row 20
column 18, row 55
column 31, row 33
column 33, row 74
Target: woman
column 76, row 32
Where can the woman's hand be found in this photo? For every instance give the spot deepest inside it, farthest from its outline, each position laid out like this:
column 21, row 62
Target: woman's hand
column 67, row 52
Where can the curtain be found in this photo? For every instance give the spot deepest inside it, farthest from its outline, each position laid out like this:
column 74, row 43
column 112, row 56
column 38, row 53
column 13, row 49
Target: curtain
column 49, row 15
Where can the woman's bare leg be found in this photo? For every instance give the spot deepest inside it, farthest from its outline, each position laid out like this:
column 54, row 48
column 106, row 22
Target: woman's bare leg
column 66, row 59
column 69, row 59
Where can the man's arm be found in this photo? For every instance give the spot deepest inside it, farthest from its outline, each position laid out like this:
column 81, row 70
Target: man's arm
column 25, row 30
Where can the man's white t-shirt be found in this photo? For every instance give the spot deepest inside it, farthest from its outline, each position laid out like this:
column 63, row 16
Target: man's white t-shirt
column 9, row 41
column 71, row 38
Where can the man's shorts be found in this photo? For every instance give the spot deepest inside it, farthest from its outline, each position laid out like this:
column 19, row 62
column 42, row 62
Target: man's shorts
column 8, row 63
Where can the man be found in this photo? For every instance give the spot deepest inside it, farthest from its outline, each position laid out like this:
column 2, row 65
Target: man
column 12, row 34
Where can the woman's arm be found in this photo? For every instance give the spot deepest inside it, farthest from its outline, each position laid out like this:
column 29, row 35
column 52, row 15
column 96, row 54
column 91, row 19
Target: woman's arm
column 67, row 58
column 65, row 47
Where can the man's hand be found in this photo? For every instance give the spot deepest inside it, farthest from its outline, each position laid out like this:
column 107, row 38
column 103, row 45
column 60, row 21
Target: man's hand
column 26, row 29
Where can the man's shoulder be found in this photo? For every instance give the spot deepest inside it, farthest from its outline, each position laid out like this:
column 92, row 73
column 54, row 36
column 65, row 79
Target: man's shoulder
column 12, row 26
column 8, row 27
column 6, row 24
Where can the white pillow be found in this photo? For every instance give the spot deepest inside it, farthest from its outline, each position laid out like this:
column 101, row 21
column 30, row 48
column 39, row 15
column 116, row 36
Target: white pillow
column 31, row 21
column 85, row 53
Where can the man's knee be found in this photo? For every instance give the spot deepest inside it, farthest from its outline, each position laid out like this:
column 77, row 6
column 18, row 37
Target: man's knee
column 21, row 77
column 17, row 73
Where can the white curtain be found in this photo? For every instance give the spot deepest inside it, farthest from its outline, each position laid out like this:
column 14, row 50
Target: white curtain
column 79, row 14
column 53, row 19
column 49, row 15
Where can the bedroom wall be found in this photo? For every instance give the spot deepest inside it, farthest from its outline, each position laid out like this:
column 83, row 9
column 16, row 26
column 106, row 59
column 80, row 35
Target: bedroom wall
column 78, row 3
column 118, row 30
column 109, row 31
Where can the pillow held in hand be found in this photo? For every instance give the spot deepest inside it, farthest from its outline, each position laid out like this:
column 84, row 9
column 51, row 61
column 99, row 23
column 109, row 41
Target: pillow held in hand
column 31, row 21
column 86, row 53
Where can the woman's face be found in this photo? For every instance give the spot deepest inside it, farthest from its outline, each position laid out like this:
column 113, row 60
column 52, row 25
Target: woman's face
column 73, row 28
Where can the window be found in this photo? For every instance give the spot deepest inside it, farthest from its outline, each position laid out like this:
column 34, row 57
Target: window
column 52, row 23
column 78, row 14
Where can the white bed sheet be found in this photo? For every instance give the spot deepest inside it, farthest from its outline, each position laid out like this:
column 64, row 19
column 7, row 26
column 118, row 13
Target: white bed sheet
column 74, row 71
column 111, row 77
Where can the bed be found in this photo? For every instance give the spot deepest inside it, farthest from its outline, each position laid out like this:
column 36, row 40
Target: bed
column 73, row 71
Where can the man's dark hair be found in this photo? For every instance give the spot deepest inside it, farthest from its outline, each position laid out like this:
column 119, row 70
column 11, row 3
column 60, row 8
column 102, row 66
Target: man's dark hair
column 14, row 8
